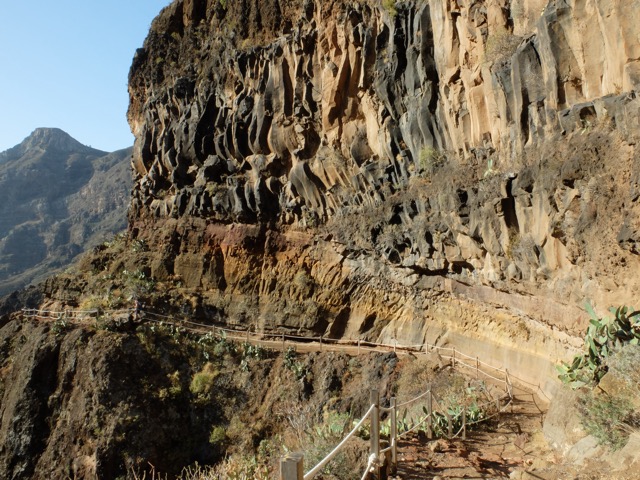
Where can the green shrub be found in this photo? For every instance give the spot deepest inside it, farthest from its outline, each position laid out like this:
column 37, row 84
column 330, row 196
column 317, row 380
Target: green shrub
column 299, row 369
column 611, row 345
column 429, row 160
column 60, row 326
column 203, row 381
column 251, row 352
column 324, row 436
column 609, row 419
column 137, row 284
column 139, row 245
column 218, row 436
column 390, row 6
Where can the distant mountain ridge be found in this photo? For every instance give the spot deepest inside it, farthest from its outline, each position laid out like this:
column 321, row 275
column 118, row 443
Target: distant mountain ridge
column 47, row 139
column 58, row 197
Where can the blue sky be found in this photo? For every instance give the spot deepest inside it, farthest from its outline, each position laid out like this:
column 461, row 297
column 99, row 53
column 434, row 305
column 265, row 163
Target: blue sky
column 65, row 63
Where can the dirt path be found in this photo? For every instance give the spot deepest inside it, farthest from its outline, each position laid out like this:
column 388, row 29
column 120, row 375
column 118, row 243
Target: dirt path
column 498, row 447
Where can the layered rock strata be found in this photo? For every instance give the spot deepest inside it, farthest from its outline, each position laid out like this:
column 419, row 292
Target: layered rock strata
column 428, row 170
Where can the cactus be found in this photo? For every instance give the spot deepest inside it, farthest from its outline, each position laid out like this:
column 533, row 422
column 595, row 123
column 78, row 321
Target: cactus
column 604, row 336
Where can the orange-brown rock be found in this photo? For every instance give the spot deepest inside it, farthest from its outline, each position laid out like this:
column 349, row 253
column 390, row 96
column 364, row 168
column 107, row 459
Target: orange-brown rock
column 443, row 171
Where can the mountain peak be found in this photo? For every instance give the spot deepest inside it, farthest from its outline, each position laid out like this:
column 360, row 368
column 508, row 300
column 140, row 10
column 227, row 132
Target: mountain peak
column 47, row 139
column 52, row 139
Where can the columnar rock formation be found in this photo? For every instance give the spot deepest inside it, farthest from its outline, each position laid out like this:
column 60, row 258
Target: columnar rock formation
column 406, row 170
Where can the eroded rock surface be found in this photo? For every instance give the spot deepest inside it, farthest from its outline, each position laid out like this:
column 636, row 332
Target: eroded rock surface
column 443, row 166
column 461, row 167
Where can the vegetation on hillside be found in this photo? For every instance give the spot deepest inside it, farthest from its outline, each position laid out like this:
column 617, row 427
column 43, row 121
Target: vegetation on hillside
column 608, row 377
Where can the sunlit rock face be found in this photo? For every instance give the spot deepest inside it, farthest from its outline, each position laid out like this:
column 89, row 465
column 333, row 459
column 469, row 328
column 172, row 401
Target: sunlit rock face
column 442, row 170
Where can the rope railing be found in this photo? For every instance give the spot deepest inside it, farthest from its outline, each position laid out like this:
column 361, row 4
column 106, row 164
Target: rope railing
column 413, row 400
column 414, row 428
column 370, row 463
column 363, row 344
column 367, row 346
column 459, row 418
column 374, row 410
column 315, row 470
column 455, row 355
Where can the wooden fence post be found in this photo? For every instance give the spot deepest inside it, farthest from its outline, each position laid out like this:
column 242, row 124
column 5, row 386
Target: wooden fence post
column 430, row 414
column 509, row 389
column 375, row 430
column 358, row 346
column 320, row 342
column 394, row 436
column 477, row 368
column 453, row 359
column 464, row 423
column 291, row 467
column 506, row 382
column 283, row 342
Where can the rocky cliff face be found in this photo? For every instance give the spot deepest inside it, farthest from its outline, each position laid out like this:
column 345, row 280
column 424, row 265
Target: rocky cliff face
column 451, row 171
column 418, row 169
column 57, row 198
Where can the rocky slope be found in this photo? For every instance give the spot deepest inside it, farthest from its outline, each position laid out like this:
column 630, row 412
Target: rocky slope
column 92, row 402
column 57, row 198
column 455, row 171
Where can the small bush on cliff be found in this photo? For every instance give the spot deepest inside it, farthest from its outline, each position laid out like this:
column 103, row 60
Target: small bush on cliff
column 390, row 7
column 137, row 284
column 251, row 353
column 175, row 388
column 299, row 369
column 218, row 437
column 203, row 381
column 317, row 438
column 500, row 47
column 429, row 160
column 609, row 419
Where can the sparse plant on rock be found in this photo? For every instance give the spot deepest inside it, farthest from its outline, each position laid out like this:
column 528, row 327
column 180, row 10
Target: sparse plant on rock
column 490, row 170
column 609, row 419
column 59, row 327
column 249, row 353
column 299, row 369
column 317, row 439
column 501, row 46
column 203, row 381
column 610, row 362
column 429, row 160
column 139, row 245
column 390, row 7
column 137, row 284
